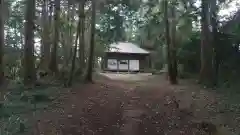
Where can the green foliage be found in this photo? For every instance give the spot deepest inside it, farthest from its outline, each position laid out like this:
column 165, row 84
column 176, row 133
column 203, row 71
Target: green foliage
column 113, row 20
column 227, row 53
column 229, row 57
column 15, row 24
column 21, row 105
column 12, row 62
column 13, row 39
column 189, row 54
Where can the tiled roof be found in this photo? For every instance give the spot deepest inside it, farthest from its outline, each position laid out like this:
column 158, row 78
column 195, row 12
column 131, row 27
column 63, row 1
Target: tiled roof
column 126, row 47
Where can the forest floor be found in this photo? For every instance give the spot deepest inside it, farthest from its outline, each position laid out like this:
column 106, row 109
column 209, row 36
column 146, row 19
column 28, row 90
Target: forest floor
column 147, row 106
column 130, row 107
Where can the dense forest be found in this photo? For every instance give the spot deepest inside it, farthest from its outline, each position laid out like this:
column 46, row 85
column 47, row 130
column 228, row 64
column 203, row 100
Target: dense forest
column 58, row 39
column 53, row 44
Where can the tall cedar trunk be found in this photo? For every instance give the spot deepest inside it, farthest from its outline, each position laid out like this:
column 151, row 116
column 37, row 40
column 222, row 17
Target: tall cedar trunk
column 71, row 33
column 50, row 22
column 174, row 72
column 53, row 62
column 81, row 38
column 29, row 62
column 206, row 73
column 1, row 41
column 168, row 41
column 50, row 13
column 215, row 40
column 74, row 55
column 22, row 47
column 45, row 52
column 68, row 45
column 92, row 44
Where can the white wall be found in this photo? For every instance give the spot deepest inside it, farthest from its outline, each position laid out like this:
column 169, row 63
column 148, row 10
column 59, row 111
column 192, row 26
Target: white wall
column 123, row 65
column 112, row 64
column 134, row 65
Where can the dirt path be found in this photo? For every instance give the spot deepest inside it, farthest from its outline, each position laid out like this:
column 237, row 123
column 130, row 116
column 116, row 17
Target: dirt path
column 148, row 107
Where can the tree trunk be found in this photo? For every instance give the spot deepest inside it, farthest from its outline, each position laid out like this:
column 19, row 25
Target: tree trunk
column 173, row 49
column 171, row 76
column 50, row 13
column 50, row 22
column 167, row 38
column 29, row 62
column 214, row 25
column 45, row 49
column 71, row 33
column 206, row 73
column 81, row 38
column 92, row 44
column 53, row 62
column 74, row 55
column 1, row 41
column 68, row 47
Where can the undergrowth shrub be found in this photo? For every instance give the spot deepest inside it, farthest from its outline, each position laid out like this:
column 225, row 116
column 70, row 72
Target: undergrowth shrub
column 19, row 107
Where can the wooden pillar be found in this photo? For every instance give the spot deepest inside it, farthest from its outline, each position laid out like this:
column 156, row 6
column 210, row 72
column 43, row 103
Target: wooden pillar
column 139, row 65
column 128, row 65
column 117, row 65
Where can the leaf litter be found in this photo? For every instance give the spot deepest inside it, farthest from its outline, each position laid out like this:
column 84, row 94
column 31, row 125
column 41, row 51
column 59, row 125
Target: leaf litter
column 110, row 107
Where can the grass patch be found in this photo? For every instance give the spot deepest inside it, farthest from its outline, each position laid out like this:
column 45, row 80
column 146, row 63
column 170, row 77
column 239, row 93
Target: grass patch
column 20, row 105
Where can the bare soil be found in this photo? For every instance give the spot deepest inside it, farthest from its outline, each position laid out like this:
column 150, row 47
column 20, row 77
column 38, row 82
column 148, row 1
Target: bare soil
column 147, row 107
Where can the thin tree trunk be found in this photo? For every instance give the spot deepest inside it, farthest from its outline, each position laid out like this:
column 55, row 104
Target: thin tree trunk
column 45, row 52
column 92, row 44
column 215, row 40
column 22, row 52
column 1, row 41
column 173, row 49
column 53, row 62
column 29, row 62
column 168, row 43
column 204, row 27
column 50, row 22
column 50, row 13
column 81, row 38
column 71, row 33
column 74, row 56
column 68, row 46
